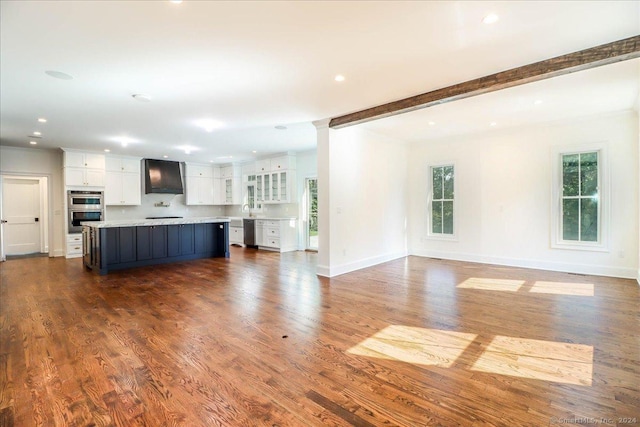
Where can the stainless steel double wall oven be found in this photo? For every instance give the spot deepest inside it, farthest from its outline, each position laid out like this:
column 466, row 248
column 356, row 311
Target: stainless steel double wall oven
column 84, row 206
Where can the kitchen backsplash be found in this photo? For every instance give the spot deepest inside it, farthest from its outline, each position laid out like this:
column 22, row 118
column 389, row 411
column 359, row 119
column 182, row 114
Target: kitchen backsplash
column 173, row 205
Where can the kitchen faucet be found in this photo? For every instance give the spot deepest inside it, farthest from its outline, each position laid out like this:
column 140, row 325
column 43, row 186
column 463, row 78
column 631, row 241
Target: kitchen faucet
column 248, row 208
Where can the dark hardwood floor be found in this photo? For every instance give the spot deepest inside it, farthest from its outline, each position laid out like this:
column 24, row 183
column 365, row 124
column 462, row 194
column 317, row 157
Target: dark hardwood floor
column 259, row 339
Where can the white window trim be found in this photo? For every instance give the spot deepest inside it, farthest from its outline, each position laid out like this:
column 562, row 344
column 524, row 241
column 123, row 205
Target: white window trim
column 430, row 234
column 604, row 195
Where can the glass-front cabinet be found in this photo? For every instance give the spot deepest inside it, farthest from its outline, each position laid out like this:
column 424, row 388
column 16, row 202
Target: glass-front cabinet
column 279, row 187
column 270, row 181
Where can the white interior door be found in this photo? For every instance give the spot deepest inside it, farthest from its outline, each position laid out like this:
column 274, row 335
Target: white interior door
column 21, row 211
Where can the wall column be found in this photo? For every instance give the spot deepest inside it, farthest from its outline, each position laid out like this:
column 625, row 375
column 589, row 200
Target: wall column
column 324, row 192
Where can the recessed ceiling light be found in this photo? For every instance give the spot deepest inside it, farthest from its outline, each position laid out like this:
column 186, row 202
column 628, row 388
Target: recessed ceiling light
column 491, row 18
column 339, row 78
column 37, row 133
column 141, row 97
column 538, row 101
column 165, row 156
column 281, row 127
column 208, row 124
column 187, row 148
column 492, row 124
column 432, row 123
column 176, row 1
column 58, row 75
column 106, row 150
column 254, row 151
column 125, row 140
column 42, row 120
column 33, row 142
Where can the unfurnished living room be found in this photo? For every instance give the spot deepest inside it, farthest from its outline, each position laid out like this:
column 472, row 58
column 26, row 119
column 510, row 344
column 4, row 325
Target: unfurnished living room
column 311, row 213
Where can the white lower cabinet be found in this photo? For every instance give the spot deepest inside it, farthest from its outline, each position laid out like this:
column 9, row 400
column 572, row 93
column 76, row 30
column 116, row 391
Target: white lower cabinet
column 74, row 245
column 277, row 234
column 236, row 235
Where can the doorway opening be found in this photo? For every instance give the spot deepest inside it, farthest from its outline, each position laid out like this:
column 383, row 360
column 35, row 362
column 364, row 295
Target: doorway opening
column 311, row 189
column 24, row 230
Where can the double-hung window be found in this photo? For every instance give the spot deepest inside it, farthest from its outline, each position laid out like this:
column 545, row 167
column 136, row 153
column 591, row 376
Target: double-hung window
column 441, row 209
column 580, row 204
column 581, row 200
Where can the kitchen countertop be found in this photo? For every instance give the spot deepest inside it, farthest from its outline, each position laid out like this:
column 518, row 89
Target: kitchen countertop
column 147, row 222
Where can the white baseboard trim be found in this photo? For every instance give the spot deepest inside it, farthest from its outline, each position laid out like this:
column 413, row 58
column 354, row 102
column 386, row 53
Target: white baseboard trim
column 332, row 271
column 638, row 278
column 596, row 270
column 57, row 252
column 322, row 270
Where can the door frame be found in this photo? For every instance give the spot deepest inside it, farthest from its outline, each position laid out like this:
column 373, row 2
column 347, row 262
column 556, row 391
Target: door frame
column 306, row 211
column 46, row 214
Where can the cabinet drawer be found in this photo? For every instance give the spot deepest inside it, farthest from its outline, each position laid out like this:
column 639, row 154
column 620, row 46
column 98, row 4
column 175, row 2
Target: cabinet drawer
column 272, row 242
column 261, row 222
column 74, row 239
column 272, row 223
column 236, row 234
column 272, row 231
column 74, row 248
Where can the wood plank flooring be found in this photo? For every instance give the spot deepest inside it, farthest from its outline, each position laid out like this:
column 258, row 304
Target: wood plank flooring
column 259, row 340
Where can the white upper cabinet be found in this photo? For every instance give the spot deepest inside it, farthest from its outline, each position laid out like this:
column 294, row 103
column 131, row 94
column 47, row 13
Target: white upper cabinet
column 78, row 159
column 123, row 164
column 231, row 185
column 123, row 184
column 282, row 163
column 204, row 171
column 200, row 188
column 82, row 169
column 263, row 166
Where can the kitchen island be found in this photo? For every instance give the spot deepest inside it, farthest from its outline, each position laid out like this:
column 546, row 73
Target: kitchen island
column 116, row 245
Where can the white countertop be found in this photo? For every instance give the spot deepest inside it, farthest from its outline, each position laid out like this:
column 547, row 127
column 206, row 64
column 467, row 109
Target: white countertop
column 147, row 222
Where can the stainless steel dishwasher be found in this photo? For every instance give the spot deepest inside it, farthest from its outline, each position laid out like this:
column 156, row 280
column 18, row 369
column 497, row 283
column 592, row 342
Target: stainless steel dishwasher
column 249, row 225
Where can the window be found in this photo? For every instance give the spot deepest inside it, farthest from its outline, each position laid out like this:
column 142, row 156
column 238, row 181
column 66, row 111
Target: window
column 251, row 197
column 580, row 198
column 442, row 201
column 580, row 205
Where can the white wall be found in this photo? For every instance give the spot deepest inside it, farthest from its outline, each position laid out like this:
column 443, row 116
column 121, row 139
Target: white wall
column 504, row 196
column 365, row 199
column 38, row 162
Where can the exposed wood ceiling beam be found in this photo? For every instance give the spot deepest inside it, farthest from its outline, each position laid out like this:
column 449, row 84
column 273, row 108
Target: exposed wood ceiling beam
column 609, row 53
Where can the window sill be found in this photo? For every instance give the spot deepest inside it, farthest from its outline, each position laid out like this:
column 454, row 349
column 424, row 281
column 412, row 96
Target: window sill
column 590, row 247
column 444, row 237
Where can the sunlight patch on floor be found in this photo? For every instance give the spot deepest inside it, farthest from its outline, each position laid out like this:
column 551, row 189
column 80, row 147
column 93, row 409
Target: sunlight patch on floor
column 540, row 360
column 559, row 288
column 539, row 287
column 492, row 284
column 518, row 357
column 418, row 346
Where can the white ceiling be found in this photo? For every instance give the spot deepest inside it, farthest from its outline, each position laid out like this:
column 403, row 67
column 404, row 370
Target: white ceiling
column 254, row 65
